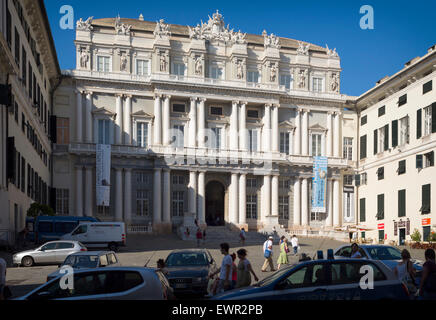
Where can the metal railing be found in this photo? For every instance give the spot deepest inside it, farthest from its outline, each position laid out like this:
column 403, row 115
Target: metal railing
column 139, row 228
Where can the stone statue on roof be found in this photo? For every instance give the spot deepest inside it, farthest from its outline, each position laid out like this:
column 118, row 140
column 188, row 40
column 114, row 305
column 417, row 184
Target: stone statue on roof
column 84, row 25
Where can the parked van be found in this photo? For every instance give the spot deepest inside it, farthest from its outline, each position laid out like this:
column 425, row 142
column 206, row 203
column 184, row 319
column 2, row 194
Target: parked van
column 99, row 234
column 50, row 228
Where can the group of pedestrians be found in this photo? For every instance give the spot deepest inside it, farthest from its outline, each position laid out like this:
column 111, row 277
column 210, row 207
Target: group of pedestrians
column 284, row 251
column 232, row 276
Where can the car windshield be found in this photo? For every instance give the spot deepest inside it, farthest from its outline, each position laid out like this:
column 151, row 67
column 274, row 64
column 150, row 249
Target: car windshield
column 384, row 253
column 77, row 261
column 268, row 280
column 186, row 259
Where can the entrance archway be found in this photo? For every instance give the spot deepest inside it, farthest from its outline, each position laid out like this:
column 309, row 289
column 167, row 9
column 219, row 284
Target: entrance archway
column 215, row 192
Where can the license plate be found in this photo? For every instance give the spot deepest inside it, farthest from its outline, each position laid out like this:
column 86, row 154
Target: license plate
column 180, row 286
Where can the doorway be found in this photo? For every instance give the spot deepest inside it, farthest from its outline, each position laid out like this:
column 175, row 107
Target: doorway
column 402, row 236
column 215, row 192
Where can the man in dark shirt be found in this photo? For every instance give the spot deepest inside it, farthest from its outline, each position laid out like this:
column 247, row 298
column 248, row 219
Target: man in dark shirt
column 427, row 288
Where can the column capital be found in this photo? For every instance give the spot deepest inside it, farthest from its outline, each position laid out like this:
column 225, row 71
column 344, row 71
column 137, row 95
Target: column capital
column 235, row 102
column 330, row 113
column 244, row 103
column 168, row 96
column 193, row 99
column 276, row 105
column 338, row 113
column 77, row 91
column 306, row 110
column 158, row 95
column 119, row 95
column 268, row 105
column 88, row 93
column 300, row 109
column 128, row 96
column 202, row 99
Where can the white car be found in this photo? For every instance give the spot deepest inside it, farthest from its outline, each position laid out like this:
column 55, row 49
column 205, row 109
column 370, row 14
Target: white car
column 110, row 283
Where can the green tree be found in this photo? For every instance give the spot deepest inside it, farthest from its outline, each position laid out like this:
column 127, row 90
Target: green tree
column 416, row 235
column 37, row 209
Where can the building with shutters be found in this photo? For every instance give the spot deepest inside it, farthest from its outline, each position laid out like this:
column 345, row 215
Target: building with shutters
column 28, row 63
column 396, row 171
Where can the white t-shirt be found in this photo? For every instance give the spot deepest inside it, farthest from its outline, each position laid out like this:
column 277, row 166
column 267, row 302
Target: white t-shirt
column 268, row 243
column 294, row 242
column 227, row 261
column 2, row 272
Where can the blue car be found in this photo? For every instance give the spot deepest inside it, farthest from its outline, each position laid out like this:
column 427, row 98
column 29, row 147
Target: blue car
column 342, row 279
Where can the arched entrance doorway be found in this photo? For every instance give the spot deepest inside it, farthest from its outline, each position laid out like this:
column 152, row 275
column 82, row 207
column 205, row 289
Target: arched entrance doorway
column 215, row 204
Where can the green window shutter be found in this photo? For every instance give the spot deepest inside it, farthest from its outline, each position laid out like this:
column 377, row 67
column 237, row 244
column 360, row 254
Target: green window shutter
column 362, row 210
column 419, row 161
column 431, row 158
column 394, row 133
column 402, row 203
column 375, row 141
column 386, row 143
column 425, row 208
column 426, row 233
column 380, row 206
column 363, row 147
column 401, row 167
column 381, row 235
column 419, row 124
column 433, row 117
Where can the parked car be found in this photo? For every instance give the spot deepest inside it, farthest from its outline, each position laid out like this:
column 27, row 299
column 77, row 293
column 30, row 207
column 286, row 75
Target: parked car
column 111, row 283
column 323, row 280
column 99, row 234
column 53, row 252
column 188, row 270
column 389, row 255
column 88, row 260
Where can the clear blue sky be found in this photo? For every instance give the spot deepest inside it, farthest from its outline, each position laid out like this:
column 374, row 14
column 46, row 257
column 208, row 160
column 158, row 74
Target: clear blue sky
column 402, row 29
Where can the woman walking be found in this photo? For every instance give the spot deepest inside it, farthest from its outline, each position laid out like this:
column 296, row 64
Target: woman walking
column 406, row 272
column 283, row 257
column 244, row 270
column 234, row 271
column 427, row 288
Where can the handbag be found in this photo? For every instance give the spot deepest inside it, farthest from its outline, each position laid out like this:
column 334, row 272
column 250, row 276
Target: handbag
column 267, row 253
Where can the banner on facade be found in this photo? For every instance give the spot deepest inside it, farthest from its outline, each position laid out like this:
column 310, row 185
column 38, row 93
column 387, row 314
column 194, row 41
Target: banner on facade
column 348, row 204
column 103, row 174
column 319, row 184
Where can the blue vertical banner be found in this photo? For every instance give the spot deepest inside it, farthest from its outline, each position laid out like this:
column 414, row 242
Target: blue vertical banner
column 319, row 184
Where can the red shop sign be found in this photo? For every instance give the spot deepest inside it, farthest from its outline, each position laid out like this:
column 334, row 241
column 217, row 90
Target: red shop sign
column 381, row 226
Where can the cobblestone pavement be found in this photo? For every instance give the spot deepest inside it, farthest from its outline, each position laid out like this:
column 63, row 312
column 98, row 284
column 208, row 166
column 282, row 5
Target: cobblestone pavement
column 148, row 249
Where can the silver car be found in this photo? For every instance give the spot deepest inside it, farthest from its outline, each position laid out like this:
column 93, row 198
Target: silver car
column 88, row 260
column 110, row 283
column 53, row 252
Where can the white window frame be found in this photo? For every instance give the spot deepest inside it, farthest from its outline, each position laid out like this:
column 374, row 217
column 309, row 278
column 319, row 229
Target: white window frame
column 147, row 61
column 143, row 196
column 381, row 140
column 250, row 205
column 348, row 148
column 250, row 142
column 284, row 205
column 174, row 68
column 173, row 127
column 404, row 130
column 146, row 123
column 287, row 77
column 217, row 65
column 427, row 120
column 97, row 62
column 319, row 152
column 62, row 201
column 289, row 136
column 211, row 135
column 252, row 72
column 176, row 201
column 316, row 87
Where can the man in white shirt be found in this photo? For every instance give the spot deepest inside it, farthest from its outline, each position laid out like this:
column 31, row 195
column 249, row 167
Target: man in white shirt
column 2, row 277
column 294, row 243
column 225, row 277
column 268, row 247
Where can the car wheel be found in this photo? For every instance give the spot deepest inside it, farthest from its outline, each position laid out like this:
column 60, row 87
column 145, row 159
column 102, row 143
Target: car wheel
column 113, row 246
column 27, row 261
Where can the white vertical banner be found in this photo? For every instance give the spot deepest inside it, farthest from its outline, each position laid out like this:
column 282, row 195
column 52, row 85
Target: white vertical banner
column 103, row 172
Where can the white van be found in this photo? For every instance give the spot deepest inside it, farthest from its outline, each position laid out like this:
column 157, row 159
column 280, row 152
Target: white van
column 99, row 234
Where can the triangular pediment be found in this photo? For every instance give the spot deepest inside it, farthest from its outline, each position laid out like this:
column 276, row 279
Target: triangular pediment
column 142, row 114
column 317, row 126
column 103, row 111
column 286, row 124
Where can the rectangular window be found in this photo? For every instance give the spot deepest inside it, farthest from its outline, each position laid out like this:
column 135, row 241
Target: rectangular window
column 348, row 179
column 386, row 138
column 286, row 80
column 142, row 134
column 103, row 64
column 178, row 69
column 142, row 203
column 418, row 123
column 23, row 175
column 284, row 142
column 216, row 111
column 363, row 120
column 179, row 108
column 23, row 66
column 30, row 81
column 362, row 210
column 381, row 111
column 401, row 167
column 142, row 178
column 381, row 236
column 253, row 76
column 252, row 183
column 284, row 207
column 284, row 184
column 364, row 178
column 426, row 199
column 394, row 133
column 363, row 147
column 426, row 231
column 348, row 148
column 380, row 207
column 429, row 159
column 252, row 140
column 402, row 203
column 402, row 100
column 62, row 201
column 254, row 114
column 17, row 47
column 381, row 173
column 179, row 136
column 375, row 141
column 178, row 180
column 8, row 28
column 427, row 120
column 142, row 68
column 62, row 130
column 404, row 131
column 178, row 203
column 215, row 141
column 426, row 87
column 251, row 206
column 103, row 131
column 317, row 84
column 216, row 73
column 316, row 145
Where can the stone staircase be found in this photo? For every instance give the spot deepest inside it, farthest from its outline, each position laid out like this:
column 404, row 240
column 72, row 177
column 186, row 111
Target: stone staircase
column 217, row 235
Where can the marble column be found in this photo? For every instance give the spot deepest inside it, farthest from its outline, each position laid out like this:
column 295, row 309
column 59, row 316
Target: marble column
column 266, row 196
column 266, row 131
column 79, row 192
column 157, row 196
column 233, row 199
column 119, row 118
column 79, row 116
column 166, row 121
column 166, row 203
column 88, row 118
column 304, row 202
column 243, row 199
column 157, row 139
column 201, row 198
column 305, row 133
column 297, row 133
column 128, row 121
column 192, row 123
column 275, row 196
column 192, row 192
column 297, row 202
column 336, row 136
column 243, row 126
column 201, row 122
column 329, row 135
column 128, row 195
column 234, row 144
column 329, row 219
column 88, row 192
column 336, row 203
column 275, row 129
column 118, row 194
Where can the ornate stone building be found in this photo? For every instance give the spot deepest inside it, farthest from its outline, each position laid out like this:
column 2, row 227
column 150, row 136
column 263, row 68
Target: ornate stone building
column 204, row 123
